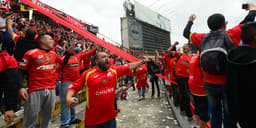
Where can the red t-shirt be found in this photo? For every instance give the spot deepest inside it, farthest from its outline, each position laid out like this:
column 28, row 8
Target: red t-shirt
column 71, row 71
column 172, row 63
column 100, row 92
column 140, row 73
column 35, row 28
column 234, row 34
column 182, row 66
column 142, row 81
column 87, row 59
column 41, row 69
column 7, row 62
column 167, row 59
column 196, row 78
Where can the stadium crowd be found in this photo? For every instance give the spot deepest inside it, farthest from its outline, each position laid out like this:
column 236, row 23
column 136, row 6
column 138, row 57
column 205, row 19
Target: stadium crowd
column 39, row 61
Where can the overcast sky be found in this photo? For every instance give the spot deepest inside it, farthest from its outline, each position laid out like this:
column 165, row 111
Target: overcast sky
column 106, row 13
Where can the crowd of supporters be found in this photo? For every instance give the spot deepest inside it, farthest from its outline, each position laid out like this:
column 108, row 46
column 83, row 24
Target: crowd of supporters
column 53, row 60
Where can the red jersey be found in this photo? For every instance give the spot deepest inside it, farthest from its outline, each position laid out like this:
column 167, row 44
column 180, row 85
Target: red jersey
column 35, row 28
column 71, row 71
column 142, row 81
column 100, row 92
column 41, row 69
column 172, row 63
column 167, row 59
column 196, row 78
column 7, row 61
column 182, row 66
column 234, row 34
column 87, row 59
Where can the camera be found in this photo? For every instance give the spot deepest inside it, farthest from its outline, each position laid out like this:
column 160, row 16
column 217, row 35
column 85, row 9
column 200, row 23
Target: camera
column 245, row 6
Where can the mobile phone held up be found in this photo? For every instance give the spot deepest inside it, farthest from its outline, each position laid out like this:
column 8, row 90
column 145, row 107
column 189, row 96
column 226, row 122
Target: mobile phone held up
column 245, row 6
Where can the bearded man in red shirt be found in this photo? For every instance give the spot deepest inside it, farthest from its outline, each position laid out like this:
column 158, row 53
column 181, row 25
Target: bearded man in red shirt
column 100, row 83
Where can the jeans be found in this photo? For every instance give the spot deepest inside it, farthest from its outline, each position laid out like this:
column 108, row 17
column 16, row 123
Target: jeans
column 154, row 80
column 57, row 88
column 67, row 114
column 217, row 96
column 142, row 91
column 109, row 124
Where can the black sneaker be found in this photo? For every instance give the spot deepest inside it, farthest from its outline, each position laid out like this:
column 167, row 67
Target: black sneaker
column 76, row 121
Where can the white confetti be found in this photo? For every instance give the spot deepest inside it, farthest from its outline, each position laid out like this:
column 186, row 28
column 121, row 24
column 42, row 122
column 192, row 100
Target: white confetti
column 168, row 117
column 175, row 121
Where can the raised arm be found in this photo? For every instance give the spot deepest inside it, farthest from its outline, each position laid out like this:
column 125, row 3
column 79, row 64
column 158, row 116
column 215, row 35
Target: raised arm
column 134, row 65
column 251, row 15
column 170, row 48
column 187, row 29
column 9, row 23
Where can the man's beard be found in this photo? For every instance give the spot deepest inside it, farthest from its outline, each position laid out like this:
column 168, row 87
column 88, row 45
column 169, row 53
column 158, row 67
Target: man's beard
column 104, row 66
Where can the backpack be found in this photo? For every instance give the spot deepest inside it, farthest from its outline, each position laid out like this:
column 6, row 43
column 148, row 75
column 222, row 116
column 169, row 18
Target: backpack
column 213, row 51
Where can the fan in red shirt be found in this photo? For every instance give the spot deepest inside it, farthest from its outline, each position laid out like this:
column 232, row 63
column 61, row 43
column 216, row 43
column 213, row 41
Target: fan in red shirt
column 9, row 84
column 142, row 84
column 166, row 59
column 100, row 83
column 181, row 73
column 196, row 79
column 40, row 63
column 196, row 85
column 70, row 72
column 174, row 89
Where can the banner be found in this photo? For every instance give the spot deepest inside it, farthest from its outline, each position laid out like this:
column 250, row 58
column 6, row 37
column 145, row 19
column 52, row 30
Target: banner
column 5, row 4
column 60, row 14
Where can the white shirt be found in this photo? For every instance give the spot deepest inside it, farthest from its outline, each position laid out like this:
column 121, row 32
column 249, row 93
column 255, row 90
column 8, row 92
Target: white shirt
column 2, row 23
